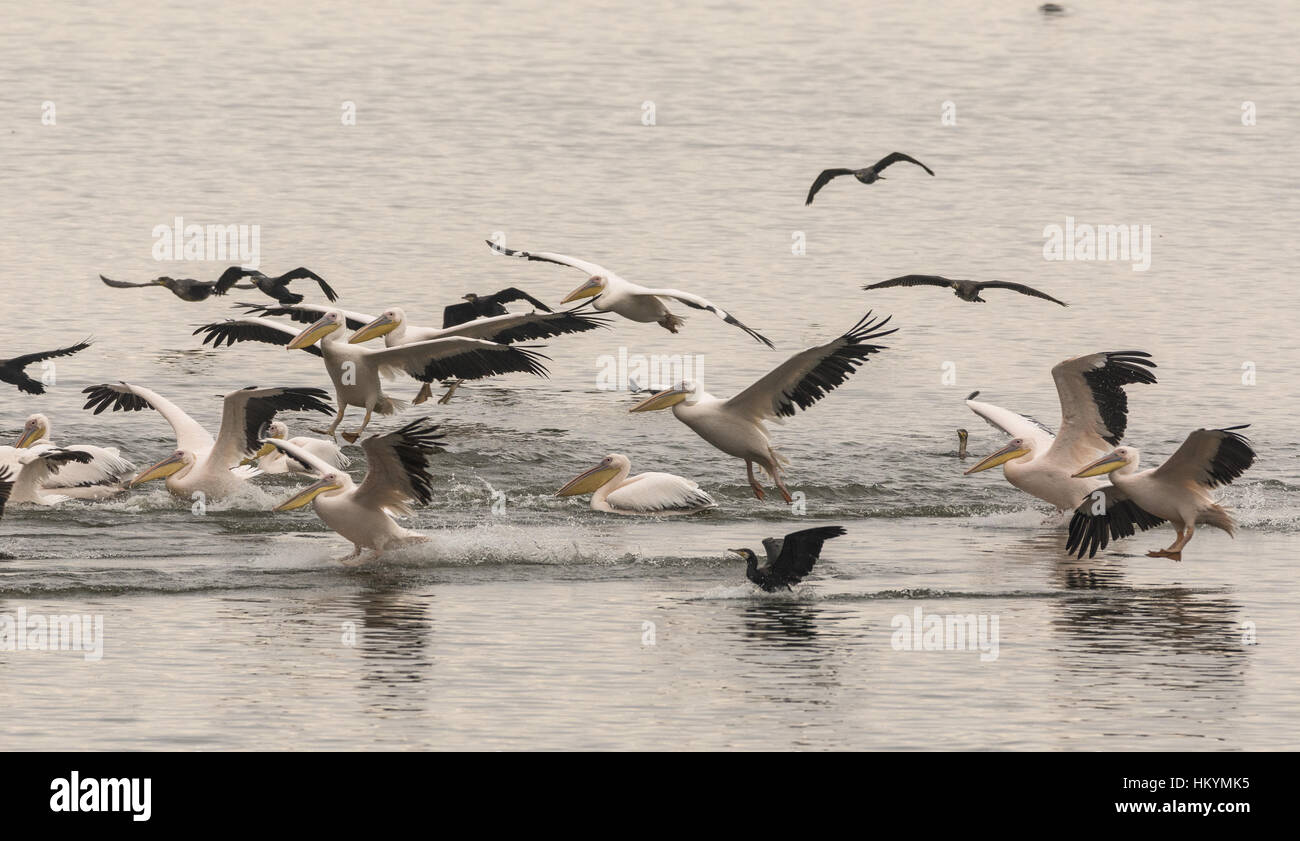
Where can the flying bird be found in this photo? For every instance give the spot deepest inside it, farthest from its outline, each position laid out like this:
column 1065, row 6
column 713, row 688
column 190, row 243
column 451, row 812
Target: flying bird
column 483, row 306
column 789, row 559
column 870, row 175
column 398, row 475
column 1176, row 492
column 189, row 289
column 356, row 370
column 1094, row 415
column 967, row 290
column 11, row 370
column 630, row 300
column 736, row 426
column 654, row 494
column 278, row 287
column 200, row 463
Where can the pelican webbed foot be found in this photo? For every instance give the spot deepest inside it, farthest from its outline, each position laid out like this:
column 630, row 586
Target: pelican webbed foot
column 351, row 437
column 426, row 391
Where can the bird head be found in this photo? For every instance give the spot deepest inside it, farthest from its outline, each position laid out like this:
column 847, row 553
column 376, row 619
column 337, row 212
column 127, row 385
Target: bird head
column 328, row 484
column 1015, row 448
column 36, row 428
column 591, row 288
column 174, row 463
column 686, row 391
column 1119, row 458
column 747, row 554
column 595, row 478
column 386, row 323
column 328, row 323
column 274, row 429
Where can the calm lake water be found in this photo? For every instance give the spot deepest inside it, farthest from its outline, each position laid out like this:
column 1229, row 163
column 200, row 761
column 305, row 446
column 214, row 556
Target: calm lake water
column 543, row 624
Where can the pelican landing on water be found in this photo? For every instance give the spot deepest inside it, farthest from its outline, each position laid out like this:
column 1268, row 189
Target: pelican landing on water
column 612, row 491
column 868, row 175
column 398, row 475
column 789, row 559
column 967, row 290
column 735, row 426
column 1176, row 492
column 1094, row 415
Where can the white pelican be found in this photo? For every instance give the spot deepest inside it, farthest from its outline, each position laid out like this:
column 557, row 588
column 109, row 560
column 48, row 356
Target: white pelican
column 735, row 426
column 355, row 370
column 646, row 493
column 12, row 370
column 1094, row 415
column 272, row 461
column 633, row 302
column 397, row 475
column 32, row 471
column 789, row 558
column 1176, row 491
column 103, row 473
column 201, row 464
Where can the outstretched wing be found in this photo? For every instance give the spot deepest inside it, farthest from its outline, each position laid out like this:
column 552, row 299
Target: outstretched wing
column 1021, row 288
column 122, row 284
column 1096, row 522
column 895, row 157
column 21, row 362
column 800, row 550
column 245, row 412
column 304, row 272
column 306, row 313
column 590, row 268
column 1012, row 423
column 304, row 457
column 510, row 294
column 811, row 374
column 124, row 397
column 699, row 303
column 1210, row 457
column 456, row 358
column 1094, row 407
column 823, row 180
column 263, row 330
column 399, row 467
column 528, row 326
column 233, row 275
column 912, row 280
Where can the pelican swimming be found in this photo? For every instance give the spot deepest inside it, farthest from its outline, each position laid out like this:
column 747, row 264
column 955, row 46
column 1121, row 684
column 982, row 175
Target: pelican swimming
column 397, row 475
column 483, row 306
column 789, row 559
column 102, row 475
column 356, row 370
column 868, row 175
column 201, row 464
column 32, row 471
column 633, row 302
column 645, row 493
column 1177, row 492
column 273, row 461
column 189, row 289
column 967, row 290
column 1094, row 415
column 735, row 426
column 12, row 370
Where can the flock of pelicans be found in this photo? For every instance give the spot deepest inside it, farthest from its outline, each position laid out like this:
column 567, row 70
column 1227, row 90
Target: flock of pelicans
column 480, row 338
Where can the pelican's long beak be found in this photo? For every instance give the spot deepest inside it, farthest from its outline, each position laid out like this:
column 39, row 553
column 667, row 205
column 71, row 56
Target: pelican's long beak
column 161, row 470
column 1106, row 464
column 307, row 495
column 29, row 436
column 589, row 481
column 1005, row 454
column 587, row 290
column 663, row 400
column 313, row 334
column 381, row 326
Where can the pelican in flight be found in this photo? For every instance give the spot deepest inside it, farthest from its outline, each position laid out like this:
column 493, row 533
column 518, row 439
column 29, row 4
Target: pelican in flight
column 633, row 302
column 356, row 370
column 188, row 289
column 101, row 476
column 12, row 370
column 735, row 426
column 789, row 559
column 869, row 175
column 1094, row 415
column 483, row 306
column 33, row 471
column 199, row 463
column 645, row 493
column 967, row 290
column 1177, row 492
column 273, row 461
column 398, row 475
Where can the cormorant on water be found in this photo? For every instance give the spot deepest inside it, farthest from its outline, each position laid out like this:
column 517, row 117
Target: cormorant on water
column 789, row 558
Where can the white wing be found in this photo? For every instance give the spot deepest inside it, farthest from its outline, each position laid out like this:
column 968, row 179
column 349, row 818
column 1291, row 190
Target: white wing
column 125, row 397
column 326, row 451
column 307, row 313
column 590, row 268
column 105, row 465
column 1209, row 457
column 701, row 304
column 246, row 411
column 1014, row 425
column 652, row 492
column 398, row 468
column 309, row 462
column 1094, row 407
